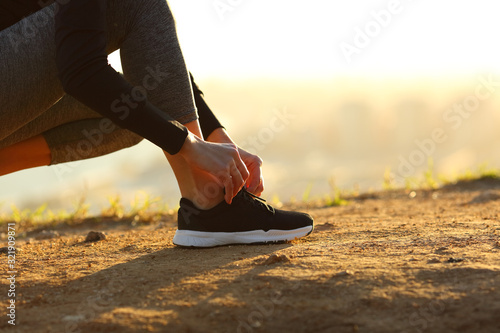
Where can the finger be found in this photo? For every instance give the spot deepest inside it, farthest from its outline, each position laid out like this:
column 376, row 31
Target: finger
column 252, row 184
column 242, row 168
column 238, row 180
column 260, row 188
column 257, row 189
column 228, row 186
column 254, row 179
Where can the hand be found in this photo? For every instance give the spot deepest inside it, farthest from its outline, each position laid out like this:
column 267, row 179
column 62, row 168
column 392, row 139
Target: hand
column 255, row 181
column 221, row 160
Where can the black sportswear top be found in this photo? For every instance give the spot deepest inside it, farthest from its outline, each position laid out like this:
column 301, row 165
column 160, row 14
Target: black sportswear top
column 85, row 74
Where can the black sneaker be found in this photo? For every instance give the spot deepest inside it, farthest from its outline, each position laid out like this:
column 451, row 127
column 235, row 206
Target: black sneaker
column 248, row 220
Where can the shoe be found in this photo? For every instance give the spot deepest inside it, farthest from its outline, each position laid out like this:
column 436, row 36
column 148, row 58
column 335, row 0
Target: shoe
column 247, row 220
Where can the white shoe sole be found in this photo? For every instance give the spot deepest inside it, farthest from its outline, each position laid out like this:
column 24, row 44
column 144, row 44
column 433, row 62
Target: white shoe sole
column 211, row 239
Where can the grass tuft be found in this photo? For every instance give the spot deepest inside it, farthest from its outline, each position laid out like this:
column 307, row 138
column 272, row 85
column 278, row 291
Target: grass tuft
column 430, row 181
column 307, row 193
column 388, row 183
column 336, row 197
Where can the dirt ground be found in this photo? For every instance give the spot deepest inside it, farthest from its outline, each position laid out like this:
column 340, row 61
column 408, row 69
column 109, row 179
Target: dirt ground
column 395, row 261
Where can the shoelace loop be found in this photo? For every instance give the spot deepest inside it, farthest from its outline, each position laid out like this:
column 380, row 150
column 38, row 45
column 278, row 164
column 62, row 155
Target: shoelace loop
column 257, row 201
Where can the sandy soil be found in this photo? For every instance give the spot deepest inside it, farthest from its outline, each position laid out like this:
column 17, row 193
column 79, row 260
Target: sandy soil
column 427, row 261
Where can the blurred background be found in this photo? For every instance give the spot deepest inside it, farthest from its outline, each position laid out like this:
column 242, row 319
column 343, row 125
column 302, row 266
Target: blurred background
column 323, row 91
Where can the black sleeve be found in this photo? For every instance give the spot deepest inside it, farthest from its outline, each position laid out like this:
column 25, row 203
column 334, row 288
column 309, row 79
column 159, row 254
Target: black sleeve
column 85, row 74
column 208, row 120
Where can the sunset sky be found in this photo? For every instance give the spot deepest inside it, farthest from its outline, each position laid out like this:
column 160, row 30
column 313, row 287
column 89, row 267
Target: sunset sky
column 304, row 38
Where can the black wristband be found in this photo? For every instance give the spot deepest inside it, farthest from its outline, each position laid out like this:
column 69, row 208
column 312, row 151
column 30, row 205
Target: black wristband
column 208, row 120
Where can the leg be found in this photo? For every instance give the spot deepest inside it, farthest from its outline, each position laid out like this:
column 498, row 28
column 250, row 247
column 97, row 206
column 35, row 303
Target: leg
column 30, row 87
column 197, row 186
column 65, row 111
column 152, row 61
column 68, row 131
column 29, row 82
column 32, row 105
column 26, row 154
column 66, row 143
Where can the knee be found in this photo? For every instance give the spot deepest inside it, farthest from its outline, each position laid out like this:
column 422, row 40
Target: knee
column 126, row 16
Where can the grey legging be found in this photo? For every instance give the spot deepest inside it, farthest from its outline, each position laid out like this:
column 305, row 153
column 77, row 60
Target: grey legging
column 32, row 101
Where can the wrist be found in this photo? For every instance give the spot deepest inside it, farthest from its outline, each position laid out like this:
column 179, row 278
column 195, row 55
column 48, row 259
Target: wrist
column 219, row 135
column 188, row 145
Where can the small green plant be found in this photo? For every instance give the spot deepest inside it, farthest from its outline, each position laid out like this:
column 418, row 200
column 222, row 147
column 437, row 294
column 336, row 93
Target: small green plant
column 115, row 208
column 388, row 181
column 430, row 182
column 80, row 212
column 307, row 193
column 335, row 198
column 54, row 217
column 483, row 171
column 411, row 183
column 486, row 172
column 145, row 209
column 28, row 216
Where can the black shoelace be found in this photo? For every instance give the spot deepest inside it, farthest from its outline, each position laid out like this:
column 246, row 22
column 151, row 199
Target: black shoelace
column 256, row 201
